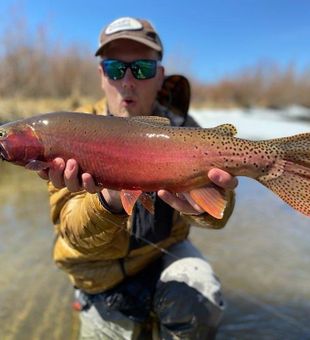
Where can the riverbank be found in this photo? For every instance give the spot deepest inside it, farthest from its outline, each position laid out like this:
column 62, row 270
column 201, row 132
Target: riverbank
column 19, row 107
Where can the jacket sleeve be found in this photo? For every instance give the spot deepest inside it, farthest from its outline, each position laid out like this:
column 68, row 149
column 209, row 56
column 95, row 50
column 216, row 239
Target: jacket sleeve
column 86, row 226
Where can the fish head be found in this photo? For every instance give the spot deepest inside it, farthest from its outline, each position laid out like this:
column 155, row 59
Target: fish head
column 19, row 144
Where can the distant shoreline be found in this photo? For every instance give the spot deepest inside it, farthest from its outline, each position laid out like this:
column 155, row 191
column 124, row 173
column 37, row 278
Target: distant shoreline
column 253, row 122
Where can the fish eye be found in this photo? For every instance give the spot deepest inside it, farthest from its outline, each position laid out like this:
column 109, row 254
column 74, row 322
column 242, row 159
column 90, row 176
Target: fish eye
column 2, row 133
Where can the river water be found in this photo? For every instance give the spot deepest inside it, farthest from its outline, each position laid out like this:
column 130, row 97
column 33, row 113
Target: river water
column 35, row 297
column 262, row 258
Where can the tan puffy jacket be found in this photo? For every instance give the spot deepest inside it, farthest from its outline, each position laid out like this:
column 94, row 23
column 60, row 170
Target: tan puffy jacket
column 92, row 244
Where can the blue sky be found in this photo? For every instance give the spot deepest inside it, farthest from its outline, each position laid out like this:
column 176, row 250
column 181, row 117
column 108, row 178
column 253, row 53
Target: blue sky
column 208, row 39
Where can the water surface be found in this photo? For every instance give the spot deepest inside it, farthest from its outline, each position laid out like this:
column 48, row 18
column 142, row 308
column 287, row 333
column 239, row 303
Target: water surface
column 35, row 297
column 262, row 258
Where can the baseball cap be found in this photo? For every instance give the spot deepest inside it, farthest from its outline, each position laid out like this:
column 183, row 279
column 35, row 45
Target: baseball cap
column 139, row 30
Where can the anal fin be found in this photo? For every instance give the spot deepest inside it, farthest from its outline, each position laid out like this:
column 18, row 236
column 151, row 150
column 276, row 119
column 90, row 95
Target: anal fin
column 36, row 165
column 147, row 202
column 211, row 199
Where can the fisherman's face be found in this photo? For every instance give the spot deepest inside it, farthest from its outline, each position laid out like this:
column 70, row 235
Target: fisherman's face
column 129, row 96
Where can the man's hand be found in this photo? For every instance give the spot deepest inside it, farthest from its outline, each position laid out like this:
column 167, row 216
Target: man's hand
column 184, row 204
column 63, row 174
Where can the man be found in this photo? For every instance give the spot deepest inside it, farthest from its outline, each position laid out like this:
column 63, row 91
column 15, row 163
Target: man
column 130, row 270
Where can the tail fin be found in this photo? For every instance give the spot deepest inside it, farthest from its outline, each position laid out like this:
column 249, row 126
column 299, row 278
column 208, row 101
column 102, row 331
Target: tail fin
column 289, row 177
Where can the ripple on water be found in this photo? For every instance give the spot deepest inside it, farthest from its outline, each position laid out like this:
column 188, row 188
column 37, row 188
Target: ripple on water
column 262, row 259
column 261, row 256
column 35, row 297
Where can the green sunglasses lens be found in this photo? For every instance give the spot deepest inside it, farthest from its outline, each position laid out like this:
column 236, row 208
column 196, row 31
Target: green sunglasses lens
column 114, row 69
column 141, row 69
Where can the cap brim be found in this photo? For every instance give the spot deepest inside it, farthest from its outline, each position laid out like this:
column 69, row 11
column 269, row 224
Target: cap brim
column 143, row 41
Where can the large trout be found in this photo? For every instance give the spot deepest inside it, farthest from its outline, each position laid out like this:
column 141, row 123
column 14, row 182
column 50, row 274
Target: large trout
column 144, row 154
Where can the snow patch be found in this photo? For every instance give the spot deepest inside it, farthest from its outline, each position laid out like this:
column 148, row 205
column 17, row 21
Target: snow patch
column 256, row 123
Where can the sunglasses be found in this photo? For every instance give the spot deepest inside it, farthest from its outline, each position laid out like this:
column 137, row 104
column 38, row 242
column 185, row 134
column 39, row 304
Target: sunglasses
column 141, row 68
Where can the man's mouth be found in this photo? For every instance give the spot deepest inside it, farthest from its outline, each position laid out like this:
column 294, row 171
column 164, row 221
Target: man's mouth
column 128, row 101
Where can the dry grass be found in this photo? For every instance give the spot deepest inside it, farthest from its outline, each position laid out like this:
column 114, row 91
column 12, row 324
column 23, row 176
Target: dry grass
column 15, row 108
column 34, row 66
column 264, row 84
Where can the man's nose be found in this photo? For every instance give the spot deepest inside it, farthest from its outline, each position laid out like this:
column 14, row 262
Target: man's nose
column 129, row 79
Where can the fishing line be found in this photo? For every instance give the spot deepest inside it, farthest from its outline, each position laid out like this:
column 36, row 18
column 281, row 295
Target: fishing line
column 154, row 245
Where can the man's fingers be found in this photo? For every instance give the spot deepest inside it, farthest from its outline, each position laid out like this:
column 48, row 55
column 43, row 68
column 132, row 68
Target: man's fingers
column 179, row 203
column 56, row 173
column 66, row 174
column 223, row 179
column 88, row 183
column 71, row 178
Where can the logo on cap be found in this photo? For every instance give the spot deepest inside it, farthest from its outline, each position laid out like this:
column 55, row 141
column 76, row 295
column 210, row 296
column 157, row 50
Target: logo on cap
column 123, row 24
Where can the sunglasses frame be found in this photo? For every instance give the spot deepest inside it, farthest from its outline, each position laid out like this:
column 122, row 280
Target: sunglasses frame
column 131, row 65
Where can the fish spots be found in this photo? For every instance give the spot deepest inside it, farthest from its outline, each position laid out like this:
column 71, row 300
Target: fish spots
column 281, row 164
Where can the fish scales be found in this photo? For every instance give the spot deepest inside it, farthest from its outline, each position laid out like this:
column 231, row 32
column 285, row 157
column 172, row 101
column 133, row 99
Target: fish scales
column 144, row 153
column 139, row 151
column 105, row 152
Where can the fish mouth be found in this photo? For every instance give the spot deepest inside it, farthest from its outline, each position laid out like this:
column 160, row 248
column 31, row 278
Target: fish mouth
column 3, row 154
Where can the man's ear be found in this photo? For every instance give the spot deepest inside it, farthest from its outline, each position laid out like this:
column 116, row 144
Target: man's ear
column 161, row 76
column 101, row 74
column 100, row 70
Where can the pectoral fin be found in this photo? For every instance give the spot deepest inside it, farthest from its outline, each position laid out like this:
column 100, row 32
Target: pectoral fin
column 130, row 197
column 37, row 165
column 211, row 199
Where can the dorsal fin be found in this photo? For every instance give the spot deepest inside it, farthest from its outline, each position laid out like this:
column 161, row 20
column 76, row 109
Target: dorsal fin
column 225, row 130
column 154, row 120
